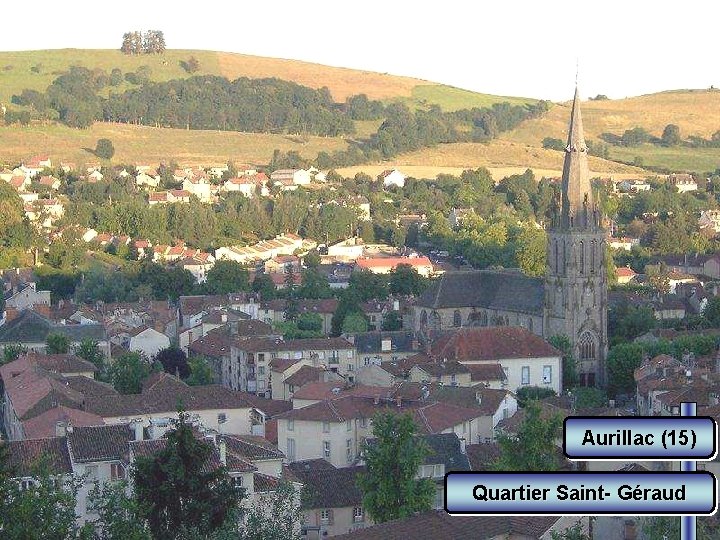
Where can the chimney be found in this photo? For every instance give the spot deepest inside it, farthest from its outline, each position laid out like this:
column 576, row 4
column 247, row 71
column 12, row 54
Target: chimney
column 60, row 428
column 462, row 445
column 399, row 401
column 376, row 401
column 396, row 305
column 478, row 397
column 223, row 317
column 630, row 530
column 69, row 427
column 222, row 447
column 137, row 426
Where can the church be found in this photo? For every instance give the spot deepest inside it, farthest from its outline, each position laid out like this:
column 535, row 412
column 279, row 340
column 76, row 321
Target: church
column 571, row 299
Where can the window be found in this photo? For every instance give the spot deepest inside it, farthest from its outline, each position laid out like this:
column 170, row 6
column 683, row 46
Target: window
column 582, row 257
column 291, row 449
column 326, row 427
column 525, row 375
column 349, row 354
column 222, row 418
column 291, row 425
column 363, row 422
column 457, row 318
column 326, row 517
column 358, row 514
column 91, row 473
column 351, row 367
column 464, row 427
column 547, row 374
column 261, row 370
column 237, row 481
column 366, row 360
column 326, row 449
column 348, row 450
column 261, row 384
column 292, row 388
column 117, row 471
column 586, row 344
column 27, row 483
column 348, row 425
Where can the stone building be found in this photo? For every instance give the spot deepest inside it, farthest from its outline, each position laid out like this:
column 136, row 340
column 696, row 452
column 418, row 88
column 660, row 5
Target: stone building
column 570, row 300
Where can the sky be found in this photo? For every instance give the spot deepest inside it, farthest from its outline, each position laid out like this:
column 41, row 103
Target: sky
column 530, row 48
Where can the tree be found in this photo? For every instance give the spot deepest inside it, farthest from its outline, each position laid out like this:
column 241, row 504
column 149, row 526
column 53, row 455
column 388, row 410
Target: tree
column 264, row 285
column 671, row 135
column 57, row 344
column 191, row 65
column 312, row 259
column 277, row 517
column 90, row 351
column 354, row 323
column 45, row 509
column 313, row 285
column 712, row 312
column 201, row 372
column 227, row 277
column 392, row 321
column 128, row 372
column 572, row 533
column 531, row 250
column 533, row 448
column 119, row 515
column 179, row 490
column 569, row 371
column 174, row 361
column 405, row 280
column 587, row 397
column 526, row 394
column 553, row 144
column 622, row 361
column 12, row 352
column 390, row 487
column 104, row 149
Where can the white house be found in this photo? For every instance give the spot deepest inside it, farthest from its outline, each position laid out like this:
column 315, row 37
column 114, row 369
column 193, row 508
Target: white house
column 392, row 177
column 148, row 341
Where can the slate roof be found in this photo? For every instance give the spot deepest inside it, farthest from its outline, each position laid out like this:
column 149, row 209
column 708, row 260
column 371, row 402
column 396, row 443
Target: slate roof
column 329, row 487
column 31, row 327
column 490, row 289
column 100, row 443
column 252, row 448
column 486, row 372
column 492, row 343
column 312, row 344
column 371, row 342
column 440, row 369
column 488, row 403
column 24, row 456
column 435, row 524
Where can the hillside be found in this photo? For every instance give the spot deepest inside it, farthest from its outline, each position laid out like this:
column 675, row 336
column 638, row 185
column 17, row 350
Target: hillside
column 696, row 112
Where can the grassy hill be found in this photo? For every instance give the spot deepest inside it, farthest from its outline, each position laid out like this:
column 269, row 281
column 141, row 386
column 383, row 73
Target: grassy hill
column 696, row 112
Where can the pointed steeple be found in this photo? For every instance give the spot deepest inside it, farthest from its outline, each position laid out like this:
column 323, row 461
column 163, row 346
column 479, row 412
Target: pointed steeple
column 578, row 207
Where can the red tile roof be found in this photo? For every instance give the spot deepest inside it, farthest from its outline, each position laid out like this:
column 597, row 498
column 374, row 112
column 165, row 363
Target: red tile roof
column 383, row 262
column 492, row 343
column 44, row 425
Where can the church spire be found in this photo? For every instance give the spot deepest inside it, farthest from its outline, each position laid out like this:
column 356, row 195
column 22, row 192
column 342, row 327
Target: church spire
column 578, row 207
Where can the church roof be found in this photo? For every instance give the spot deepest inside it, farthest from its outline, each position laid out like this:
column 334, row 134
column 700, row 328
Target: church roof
column 490, row 289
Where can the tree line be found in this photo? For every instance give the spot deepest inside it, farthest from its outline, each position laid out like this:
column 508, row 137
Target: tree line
column 150, row 42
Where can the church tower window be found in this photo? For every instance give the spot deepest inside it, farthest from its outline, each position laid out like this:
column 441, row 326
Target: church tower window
column 582, row 257
column 586, row 344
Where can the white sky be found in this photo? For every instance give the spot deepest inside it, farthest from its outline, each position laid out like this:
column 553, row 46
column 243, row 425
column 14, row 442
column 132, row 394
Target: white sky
column 507, row 47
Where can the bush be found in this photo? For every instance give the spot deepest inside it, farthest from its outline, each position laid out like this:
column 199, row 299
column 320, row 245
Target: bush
column 104, row 149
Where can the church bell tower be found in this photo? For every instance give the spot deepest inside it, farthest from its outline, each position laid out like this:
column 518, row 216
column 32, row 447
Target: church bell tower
column 576, row 280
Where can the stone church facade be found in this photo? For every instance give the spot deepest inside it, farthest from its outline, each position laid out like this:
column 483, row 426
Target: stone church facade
column 570, row 300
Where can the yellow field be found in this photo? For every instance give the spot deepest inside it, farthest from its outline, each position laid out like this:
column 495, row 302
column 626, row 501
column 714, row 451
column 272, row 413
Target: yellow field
column 501, row 157
column 152, row 145
column 696, row 112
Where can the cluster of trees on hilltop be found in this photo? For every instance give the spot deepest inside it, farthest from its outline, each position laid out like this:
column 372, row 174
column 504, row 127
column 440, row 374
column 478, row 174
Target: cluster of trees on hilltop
column 150, row 42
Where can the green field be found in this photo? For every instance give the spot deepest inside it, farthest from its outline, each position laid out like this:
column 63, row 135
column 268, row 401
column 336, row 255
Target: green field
column 679, row 158
column 451, row 99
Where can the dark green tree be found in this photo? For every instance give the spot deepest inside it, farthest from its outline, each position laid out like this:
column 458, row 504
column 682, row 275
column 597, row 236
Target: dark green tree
column 314, row 285
column 174, row 361
column 57, row 344
column 264, row 285
column 533, row 448
column 390, row 487
column 528, row 394
column 128, row 372
column 405, row 280
column 392, row 321
column 671, row 135
column 622, row 361
column 178, row 489
column 104, row 149
column 354, row 323
column 227, row 277
column 312, row 259
column 201, row 372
